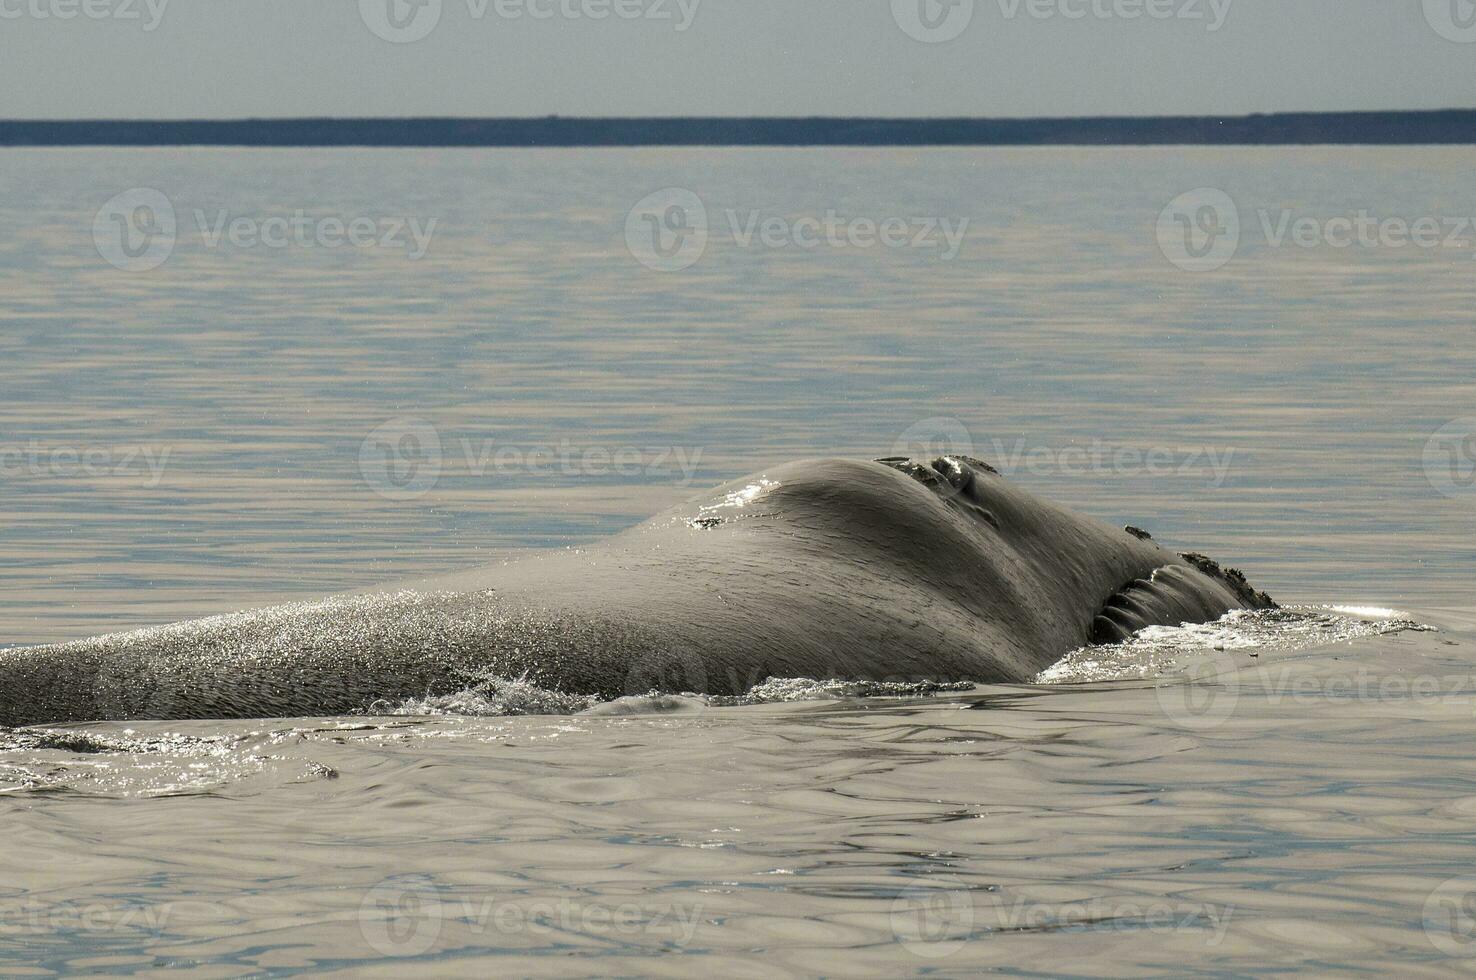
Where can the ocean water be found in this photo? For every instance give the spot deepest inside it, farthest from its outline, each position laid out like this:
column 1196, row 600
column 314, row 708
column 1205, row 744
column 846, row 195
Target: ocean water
column 214, row 400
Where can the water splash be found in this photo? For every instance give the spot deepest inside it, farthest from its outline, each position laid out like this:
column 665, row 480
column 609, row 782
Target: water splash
column 1147, row 653
column 490, row 696
column 493, row 696
column 129, row 764
column 1161, row 649
column 788, row 689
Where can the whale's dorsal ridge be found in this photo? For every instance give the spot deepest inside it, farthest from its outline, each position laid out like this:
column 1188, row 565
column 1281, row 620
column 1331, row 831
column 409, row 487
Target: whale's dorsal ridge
column 940, row 464
column 946, row 475
column 1234, row 578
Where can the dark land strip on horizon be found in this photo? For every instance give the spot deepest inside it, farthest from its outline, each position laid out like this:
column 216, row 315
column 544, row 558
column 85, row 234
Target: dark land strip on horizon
column 1449, row 126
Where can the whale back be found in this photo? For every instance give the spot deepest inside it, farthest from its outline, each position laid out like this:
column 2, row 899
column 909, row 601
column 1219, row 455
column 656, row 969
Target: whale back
column 830, row 568
column 886, row 570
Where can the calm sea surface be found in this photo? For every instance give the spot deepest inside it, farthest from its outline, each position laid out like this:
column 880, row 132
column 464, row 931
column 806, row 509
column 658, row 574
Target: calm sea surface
column 214, row 399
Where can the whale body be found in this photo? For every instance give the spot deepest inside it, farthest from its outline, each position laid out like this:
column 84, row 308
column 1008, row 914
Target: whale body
column 889, row 570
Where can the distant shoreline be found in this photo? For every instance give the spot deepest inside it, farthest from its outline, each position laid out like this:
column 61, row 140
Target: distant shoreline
column 1449, row 126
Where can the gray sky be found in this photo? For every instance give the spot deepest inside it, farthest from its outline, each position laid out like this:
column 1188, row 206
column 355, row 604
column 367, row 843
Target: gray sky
column 227, row 58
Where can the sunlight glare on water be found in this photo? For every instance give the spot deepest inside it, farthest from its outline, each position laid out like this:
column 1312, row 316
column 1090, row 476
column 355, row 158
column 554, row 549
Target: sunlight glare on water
column 1274, row 791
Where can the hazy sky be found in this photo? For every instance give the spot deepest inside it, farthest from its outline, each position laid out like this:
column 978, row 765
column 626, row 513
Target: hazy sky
column 227, row 58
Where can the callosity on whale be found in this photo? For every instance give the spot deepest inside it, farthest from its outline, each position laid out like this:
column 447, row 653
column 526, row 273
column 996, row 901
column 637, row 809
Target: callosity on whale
column 829, row 568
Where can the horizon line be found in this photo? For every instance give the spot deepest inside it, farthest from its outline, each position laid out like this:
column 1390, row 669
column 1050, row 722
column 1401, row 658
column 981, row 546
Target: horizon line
column 1356, row 126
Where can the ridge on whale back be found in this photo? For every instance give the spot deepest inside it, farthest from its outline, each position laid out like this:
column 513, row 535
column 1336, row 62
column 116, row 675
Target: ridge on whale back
column 830, row 568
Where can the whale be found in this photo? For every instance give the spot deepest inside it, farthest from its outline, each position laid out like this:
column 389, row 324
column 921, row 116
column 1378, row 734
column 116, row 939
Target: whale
column 875, row 570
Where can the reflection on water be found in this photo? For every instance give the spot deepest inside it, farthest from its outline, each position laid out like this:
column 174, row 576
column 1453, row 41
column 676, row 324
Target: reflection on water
column 1284, row 813
column 1289, row 395
column 245, row 423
